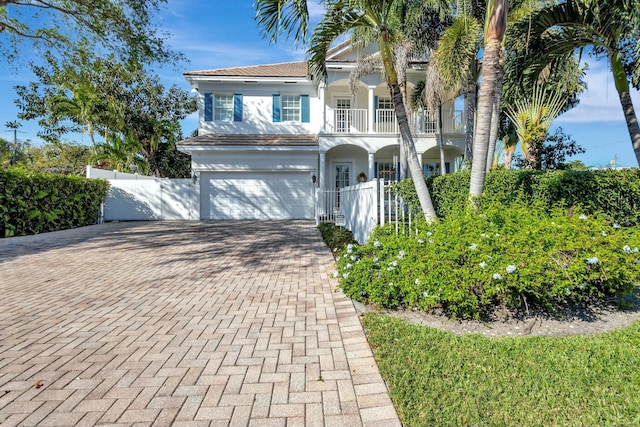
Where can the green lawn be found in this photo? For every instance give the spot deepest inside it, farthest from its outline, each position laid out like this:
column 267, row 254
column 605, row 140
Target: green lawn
column 437, row 378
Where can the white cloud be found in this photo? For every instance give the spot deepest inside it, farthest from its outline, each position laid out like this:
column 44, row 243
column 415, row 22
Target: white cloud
column 600, row 102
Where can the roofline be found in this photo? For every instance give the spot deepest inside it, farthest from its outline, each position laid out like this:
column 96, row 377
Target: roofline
column 245, row 79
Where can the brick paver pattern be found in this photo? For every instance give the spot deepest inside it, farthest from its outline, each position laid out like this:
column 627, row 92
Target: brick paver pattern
column 232, row 323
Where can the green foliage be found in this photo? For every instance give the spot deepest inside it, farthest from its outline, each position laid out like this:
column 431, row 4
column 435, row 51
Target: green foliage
column 615, row 193
column 436, row 378
column 33, row 202
column 515, row 254
column 335, row 237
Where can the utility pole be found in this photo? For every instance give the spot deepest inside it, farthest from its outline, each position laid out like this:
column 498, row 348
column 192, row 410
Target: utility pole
column 14, row 125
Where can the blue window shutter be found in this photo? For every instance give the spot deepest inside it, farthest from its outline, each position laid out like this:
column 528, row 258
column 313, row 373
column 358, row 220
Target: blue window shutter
column 304, row 105
column 375, row 170
column 375, row 108
column 447, row 167
column 237, row 107
column 208, row 107
column 276, row 108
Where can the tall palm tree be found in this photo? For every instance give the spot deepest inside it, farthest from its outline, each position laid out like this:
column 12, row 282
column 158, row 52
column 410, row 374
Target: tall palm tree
column 495, row 28
column 342, row 16
column 608, row 27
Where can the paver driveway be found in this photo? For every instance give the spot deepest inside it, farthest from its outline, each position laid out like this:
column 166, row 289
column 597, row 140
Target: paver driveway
column 182, row 323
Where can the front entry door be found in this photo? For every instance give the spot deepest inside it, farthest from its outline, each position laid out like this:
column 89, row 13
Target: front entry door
column 342, row 178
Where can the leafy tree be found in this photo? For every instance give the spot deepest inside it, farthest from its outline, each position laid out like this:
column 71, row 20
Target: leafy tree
column 124, row 27
column 119, row 102
column 553, row 154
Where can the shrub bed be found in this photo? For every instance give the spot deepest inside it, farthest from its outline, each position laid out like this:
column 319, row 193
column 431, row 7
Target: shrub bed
column 516, row 254
column 615, row 192
column 33, row 202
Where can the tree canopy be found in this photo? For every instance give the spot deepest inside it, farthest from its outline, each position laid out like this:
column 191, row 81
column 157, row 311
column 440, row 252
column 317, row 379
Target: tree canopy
column 124, row 28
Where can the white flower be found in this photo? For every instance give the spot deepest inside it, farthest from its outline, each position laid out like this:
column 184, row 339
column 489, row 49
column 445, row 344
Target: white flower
column 335, row 249
column 604, row 233
column 616, row 225
column 497, row 234
column 497, row 276
column 430, row 241
column 420, row 241
column 473, row 246
column 484, row 235
column 354, row 258
column 483, row 264
column 567, row 291
column 348, row 266
column 376, row 259
column 511, row 268
column 425, row 294
column 394, row 263
column 417, row 281
column 627, row 249
column 534, row 251
column 345, row 275
column 338, row 258
column 390, row 284
column 592, row 261
column 582, row 285
column 377, row 244
column 582, row 217
column 389, row 268
column 401, row 255
column 349, row 248
column 429, row 233
column 336, row 274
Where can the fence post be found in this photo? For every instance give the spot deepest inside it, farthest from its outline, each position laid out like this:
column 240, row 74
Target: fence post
column 381, row 200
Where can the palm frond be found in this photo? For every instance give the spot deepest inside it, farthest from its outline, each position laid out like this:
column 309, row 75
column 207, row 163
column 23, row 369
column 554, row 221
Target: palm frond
column 365, row 66
column 456, row 51
column 288, row 17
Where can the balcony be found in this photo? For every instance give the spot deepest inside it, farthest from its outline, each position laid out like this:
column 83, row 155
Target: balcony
column 349, row 120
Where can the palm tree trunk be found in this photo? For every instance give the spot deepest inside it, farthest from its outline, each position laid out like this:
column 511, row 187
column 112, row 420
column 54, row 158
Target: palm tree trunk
column 470, row 97
column 412, row 156
column 485, row 108
column 495, row 29
column 632, row 122
column 508, row 156
column 495, row 113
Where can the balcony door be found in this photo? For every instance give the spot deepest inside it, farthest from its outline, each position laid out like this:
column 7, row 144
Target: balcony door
column 343, row 114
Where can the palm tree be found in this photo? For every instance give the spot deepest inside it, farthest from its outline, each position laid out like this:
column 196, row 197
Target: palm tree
column 608, row 27
column 375, row 15
column 495, row 28
column 532, row 119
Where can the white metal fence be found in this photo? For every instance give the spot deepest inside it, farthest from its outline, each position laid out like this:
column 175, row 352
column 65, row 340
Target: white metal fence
column 360, row 208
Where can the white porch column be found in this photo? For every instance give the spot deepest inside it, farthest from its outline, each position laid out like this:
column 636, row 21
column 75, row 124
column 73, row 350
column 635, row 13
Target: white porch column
column 371, row 110
column 322, row 170
column 372, row 166
column 323, row 95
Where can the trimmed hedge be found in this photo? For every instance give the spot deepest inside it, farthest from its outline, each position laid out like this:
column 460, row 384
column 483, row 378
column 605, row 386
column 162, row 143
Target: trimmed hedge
column 34, row 202
column 615, row 193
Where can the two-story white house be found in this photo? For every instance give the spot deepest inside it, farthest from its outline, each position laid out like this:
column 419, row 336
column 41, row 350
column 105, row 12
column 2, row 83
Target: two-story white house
column 269, row 136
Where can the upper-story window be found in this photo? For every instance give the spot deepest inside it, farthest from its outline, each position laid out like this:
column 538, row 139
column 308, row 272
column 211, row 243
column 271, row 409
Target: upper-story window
column 223, row 108
column 290, row 108
column 384, row 103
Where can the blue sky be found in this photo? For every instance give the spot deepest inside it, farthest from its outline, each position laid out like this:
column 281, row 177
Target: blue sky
column 218, row 34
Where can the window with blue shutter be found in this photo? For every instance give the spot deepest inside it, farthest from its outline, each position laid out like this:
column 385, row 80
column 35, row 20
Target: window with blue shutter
column 276, row 108
column 304, row 104
column 208, row 107
column 237, row 107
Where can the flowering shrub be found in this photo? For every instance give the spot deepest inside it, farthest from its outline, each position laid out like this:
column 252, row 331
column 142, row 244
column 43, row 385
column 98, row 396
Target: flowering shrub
column 469, row 263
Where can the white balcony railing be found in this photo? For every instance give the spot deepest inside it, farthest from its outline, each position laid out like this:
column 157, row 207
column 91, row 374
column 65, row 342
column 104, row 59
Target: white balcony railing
column 385, row 121
column 349, row 120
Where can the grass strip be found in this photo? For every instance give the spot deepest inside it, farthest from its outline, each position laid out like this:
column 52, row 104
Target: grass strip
column 437, row 378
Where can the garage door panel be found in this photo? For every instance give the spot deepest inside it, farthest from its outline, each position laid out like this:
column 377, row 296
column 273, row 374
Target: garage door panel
column 270, row 195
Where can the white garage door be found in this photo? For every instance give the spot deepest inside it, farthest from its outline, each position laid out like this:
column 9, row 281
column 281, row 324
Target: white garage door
column 256, row 195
